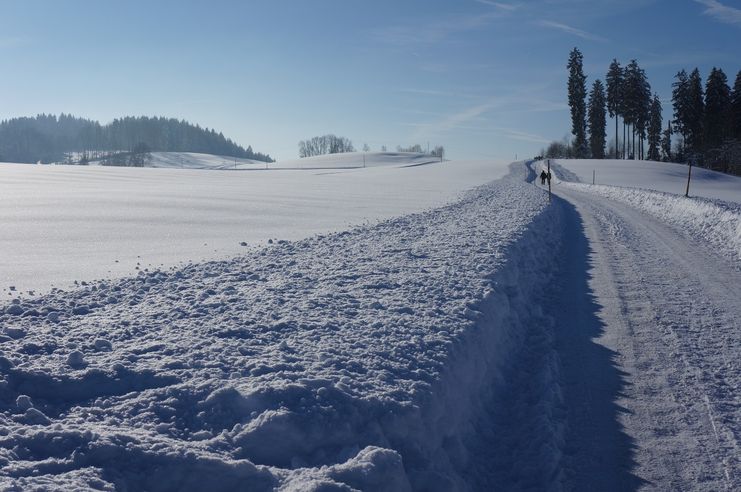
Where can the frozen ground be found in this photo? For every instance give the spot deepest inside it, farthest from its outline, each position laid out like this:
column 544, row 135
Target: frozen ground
column 498, row 342
column 646, row 304
column 360, row 359
column 62, row 224
column 660, row 176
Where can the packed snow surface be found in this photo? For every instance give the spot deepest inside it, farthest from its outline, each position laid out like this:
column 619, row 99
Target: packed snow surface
column 659, row 176
column 359, row 360
column 647, row 332
column 72, row 223
column 710, row 220
column 497, row 341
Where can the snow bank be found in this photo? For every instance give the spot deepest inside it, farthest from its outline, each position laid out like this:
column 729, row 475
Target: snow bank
column 667, row 177
column 713, row 221
column 360, row 360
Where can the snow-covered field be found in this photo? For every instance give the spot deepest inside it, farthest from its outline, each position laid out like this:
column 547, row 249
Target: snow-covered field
column 660, row 176
column 714, row 219
column 194, row 160
column 62, row 224
column 359, row 359
column 456, row 331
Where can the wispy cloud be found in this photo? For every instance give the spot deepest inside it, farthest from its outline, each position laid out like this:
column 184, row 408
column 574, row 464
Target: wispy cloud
column 721, row 12
column 457, row 119
column 570, row 30
column 500, row 5
column 524, row 136
column 433, row 32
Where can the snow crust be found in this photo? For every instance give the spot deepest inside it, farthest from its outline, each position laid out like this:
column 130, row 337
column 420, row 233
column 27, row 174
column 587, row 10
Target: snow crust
column 658, row 176
column 358, row 360
column 73, row 223
column 713, row 221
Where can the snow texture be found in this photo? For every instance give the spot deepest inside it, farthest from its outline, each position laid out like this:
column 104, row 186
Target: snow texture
column 715, row 222
column 75, row 223
column 666, row 177
column 360, row 360
column 350, row 160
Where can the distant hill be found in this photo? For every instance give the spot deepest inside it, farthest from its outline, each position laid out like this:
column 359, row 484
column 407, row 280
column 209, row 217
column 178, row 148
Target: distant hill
column 343, row 161
column 48, row 138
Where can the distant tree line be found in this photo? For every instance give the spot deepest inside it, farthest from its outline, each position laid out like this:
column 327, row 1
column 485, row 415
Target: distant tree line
column 706, row 120
column 326, row 144
column 332, row 144
column 48, row 138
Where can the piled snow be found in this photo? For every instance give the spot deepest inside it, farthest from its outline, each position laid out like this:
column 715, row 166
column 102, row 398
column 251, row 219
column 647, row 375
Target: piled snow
column 67, row 223
column 360, row 360
column 658, row 176
column 713, row 221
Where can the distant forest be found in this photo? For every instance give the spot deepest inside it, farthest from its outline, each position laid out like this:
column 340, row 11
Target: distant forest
column 48, row 138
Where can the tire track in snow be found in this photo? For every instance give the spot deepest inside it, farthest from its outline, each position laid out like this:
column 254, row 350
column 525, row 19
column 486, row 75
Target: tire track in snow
column 680, row 350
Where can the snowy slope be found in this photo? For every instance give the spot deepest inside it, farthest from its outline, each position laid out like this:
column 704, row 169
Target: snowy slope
column 350, row 160
column 361, row 360
column 194, row 160
column 67, row 223
column 659, row 176
column 714, row 220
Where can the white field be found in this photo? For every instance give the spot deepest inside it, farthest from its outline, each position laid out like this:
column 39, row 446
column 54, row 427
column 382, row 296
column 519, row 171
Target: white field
column 62, row 224
column 194, row 160
column 501, row 342
column 660, row 176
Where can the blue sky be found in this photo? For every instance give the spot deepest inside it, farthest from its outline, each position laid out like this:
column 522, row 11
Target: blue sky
column 484, row 78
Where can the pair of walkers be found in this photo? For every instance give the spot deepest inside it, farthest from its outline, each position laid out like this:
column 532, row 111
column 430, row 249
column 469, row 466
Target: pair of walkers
column 545, row 176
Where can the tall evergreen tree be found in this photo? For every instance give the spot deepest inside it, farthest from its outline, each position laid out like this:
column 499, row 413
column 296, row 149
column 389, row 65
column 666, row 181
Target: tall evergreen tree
column 735, row 116
column 680, row 101
column 666, row 142
column 597, row 120
column 577, row 89
column 637, row 101
column 614, row 80
column 717, row 109
column 654, row 130
column 696, row 112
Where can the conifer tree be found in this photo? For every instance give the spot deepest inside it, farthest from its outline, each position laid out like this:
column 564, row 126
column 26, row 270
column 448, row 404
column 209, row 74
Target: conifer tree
column 614, row 80
column 654, row 129
column 597, row 120
column 696, row 112
column 577, row 94
column 637, row 101
column 717, row 106
column 680, row 96
column 735, row 116
column 666, row 142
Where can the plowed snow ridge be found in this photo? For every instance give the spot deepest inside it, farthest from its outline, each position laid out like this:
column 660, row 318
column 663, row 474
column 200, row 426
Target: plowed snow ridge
column 359, row 359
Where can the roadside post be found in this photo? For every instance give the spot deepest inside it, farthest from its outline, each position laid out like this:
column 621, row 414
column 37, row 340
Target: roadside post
column 689, row 177
column 549, row 179
column 594, row 173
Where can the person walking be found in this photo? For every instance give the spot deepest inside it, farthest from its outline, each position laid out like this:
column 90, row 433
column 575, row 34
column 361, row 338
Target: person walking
column 543, row 177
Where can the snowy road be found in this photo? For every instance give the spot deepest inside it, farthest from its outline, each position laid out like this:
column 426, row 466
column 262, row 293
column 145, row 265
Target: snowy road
column 647, row 333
